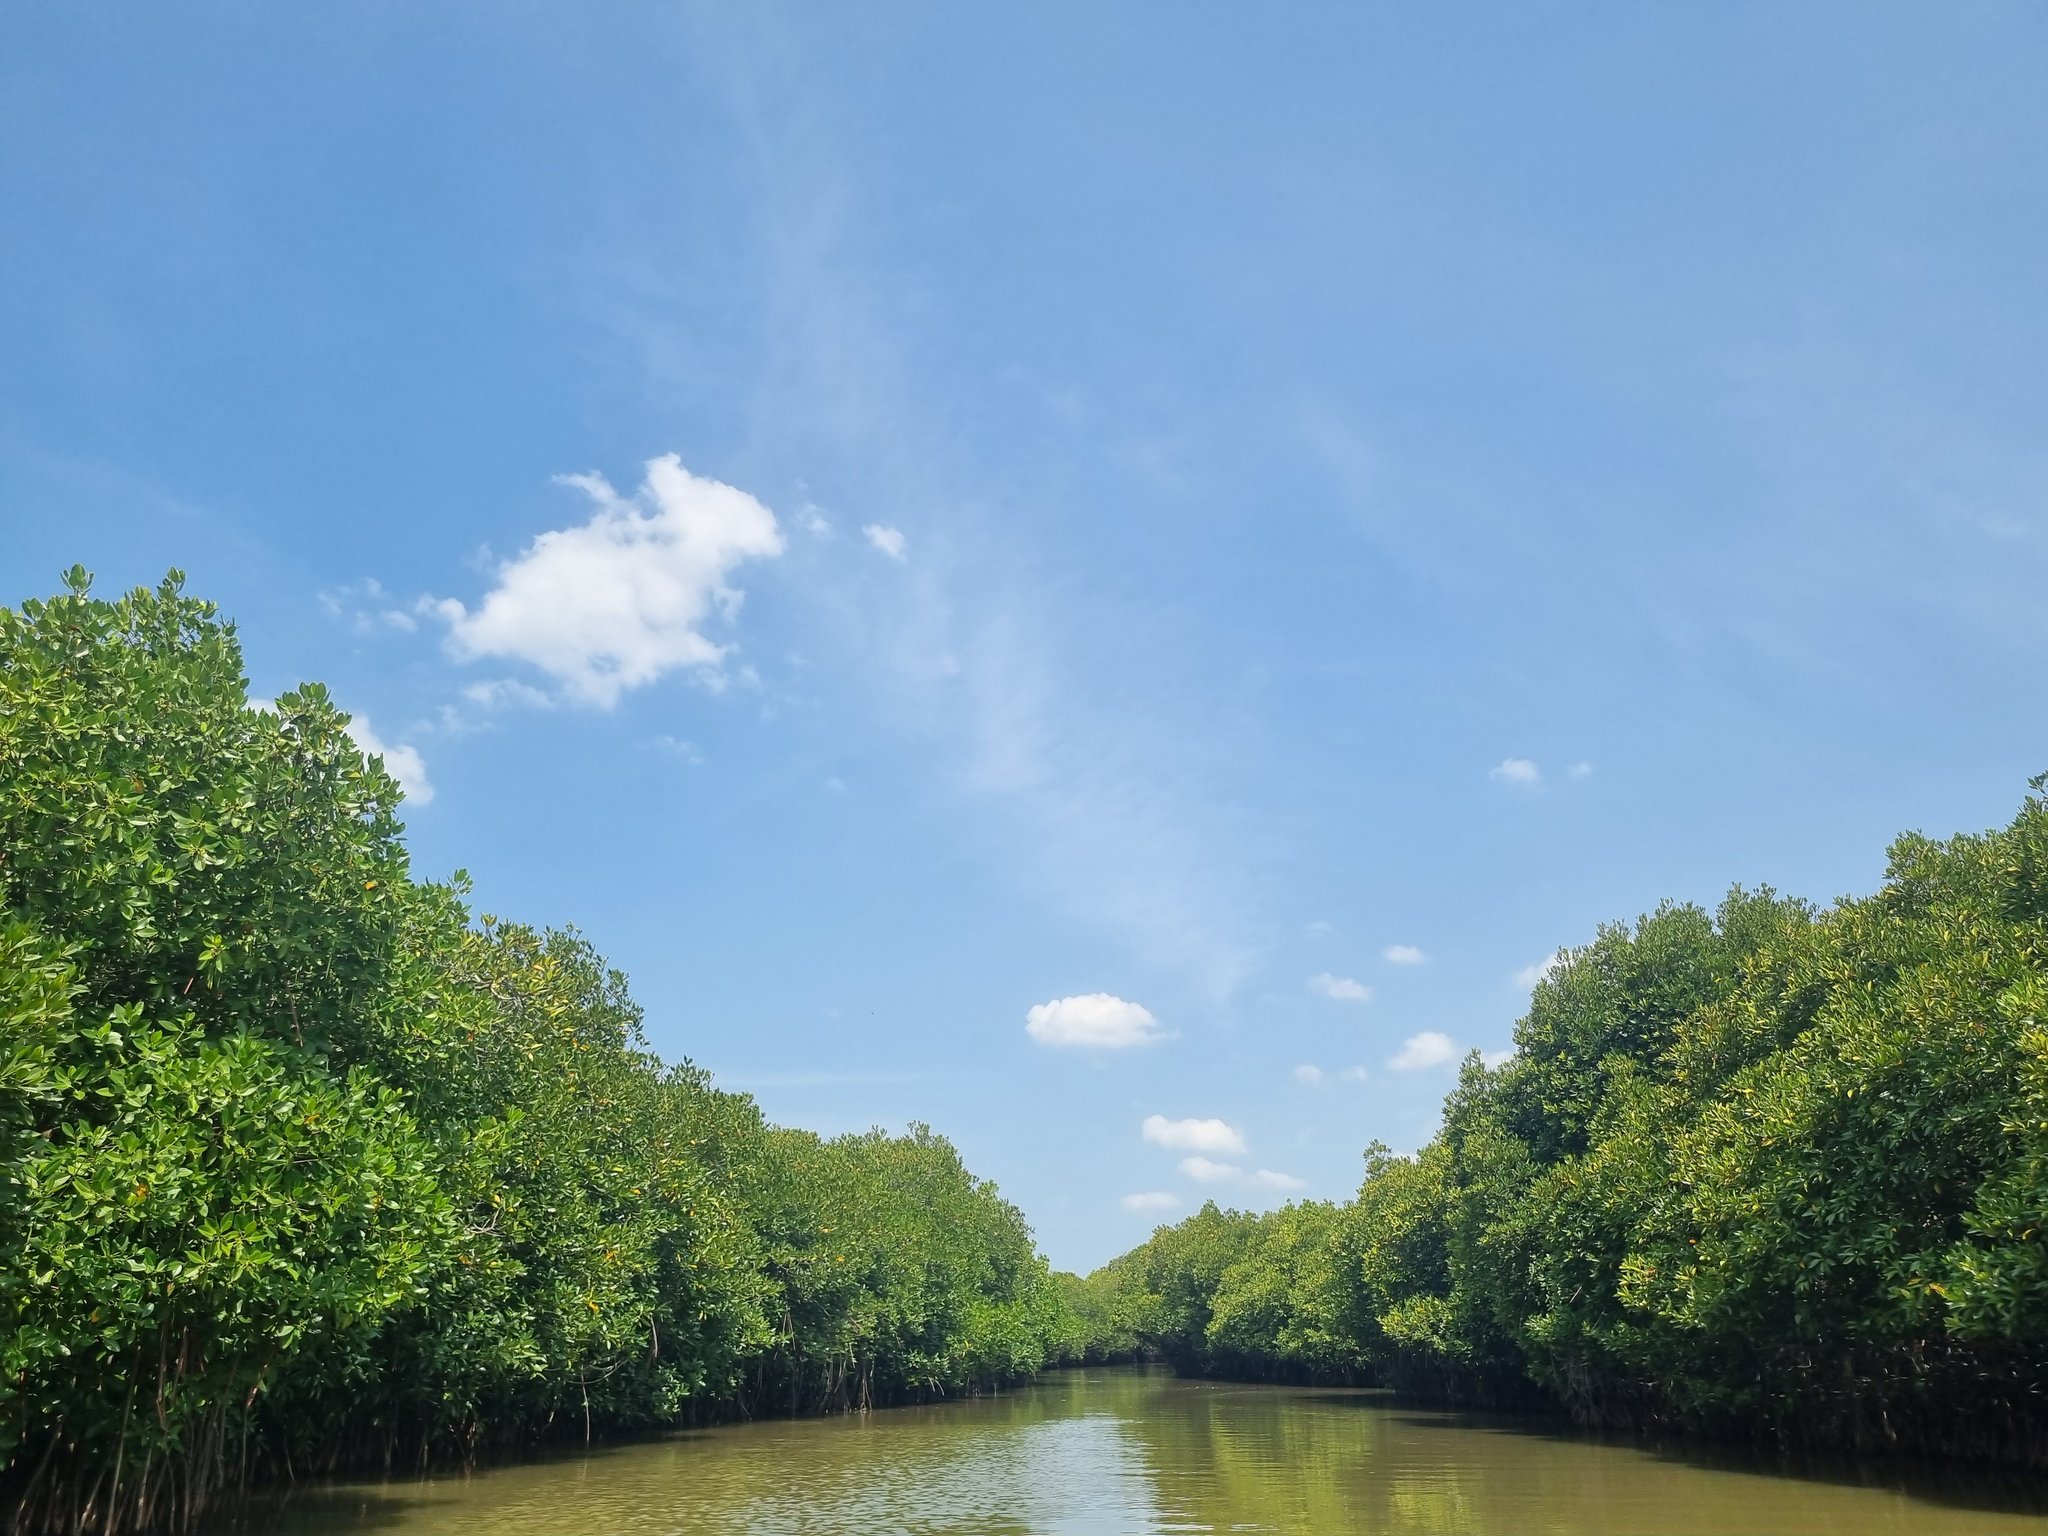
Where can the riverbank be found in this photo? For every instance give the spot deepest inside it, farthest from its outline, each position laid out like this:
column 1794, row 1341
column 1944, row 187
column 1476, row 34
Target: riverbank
column 305, row 1167
column 1773, row 1170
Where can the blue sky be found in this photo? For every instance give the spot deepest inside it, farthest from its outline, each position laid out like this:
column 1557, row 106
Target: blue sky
column 1047, row 569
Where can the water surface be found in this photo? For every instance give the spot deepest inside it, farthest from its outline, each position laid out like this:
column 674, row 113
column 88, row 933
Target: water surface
column 1136, row 1451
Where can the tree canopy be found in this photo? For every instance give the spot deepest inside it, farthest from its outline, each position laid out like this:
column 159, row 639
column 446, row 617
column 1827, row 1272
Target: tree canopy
column 1768, row 1169
column 305, row 1165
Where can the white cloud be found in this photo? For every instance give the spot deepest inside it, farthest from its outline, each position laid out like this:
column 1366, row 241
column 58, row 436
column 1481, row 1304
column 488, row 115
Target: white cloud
column 815, row 522
column 1319, row 929
column 1580, row 770
column 619, row 601
column 1420, row 1052
column 1341, row 988
column 1403, row 954
column 1207, row 1171
column 1093, row 1019
column 888, row 540
column 1529, row 975
column 680, row 750
column 498, row 691
column 1192, row 1135
column 1151, row 1200
column 1267, row 1178
column 1516, row 770
column 402, row 762
column 1314, row 1076
column 1498, row 1058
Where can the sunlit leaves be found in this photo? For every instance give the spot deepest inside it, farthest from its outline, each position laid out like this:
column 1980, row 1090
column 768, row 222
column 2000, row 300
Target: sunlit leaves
column 322, row 1172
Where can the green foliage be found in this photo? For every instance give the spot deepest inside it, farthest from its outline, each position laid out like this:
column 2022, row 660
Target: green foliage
column 302, row 1167
column 1288, row 1297
column 1767, row 1169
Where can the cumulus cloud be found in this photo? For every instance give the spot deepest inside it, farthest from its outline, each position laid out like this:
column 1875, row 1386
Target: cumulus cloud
column 1354, row 1074
column 1093, row 1019
column 1580, row 770
column 1342, row 988
column 623, row 599
column 1516, row 770
column 1192, row 1135
column 1529, row 975
column 1499, row 1058
column 402, row 762
column 1151, row 1200
column 682, row 751
column 1420, row 1052
column 1308, row 1073
column 1403, row 954
column 1267, row 1178
column 888, row 540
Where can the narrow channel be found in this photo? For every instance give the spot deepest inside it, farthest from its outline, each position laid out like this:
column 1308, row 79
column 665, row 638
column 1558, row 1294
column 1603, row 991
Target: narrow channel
column 1133, row 1450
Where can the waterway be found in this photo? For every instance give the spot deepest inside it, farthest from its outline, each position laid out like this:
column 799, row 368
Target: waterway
column 1134, row 1451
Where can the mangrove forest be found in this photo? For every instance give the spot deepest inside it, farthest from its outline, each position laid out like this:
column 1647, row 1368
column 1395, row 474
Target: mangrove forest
column 307, row 1167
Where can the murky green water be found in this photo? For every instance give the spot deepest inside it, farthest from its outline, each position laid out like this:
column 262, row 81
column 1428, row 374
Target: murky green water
column 1131, row 1451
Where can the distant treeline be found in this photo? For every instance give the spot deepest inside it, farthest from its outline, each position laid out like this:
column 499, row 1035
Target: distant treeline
column 303, row 1167
column 1770, row 1170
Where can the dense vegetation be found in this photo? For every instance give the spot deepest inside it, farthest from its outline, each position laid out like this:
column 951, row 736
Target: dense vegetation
column 302, row 1165
column 1769, row 1169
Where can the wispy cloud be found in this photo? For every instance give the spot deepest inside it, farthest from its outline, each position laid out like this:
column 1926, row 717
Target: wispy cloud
column 1151, row 1200
column 889, row 541
column 1270, row 1178
column 1101, row 781
column 368, row 609
column 1342, row 989
column 1314, row 1076
column 498, row 692
column 1206, row 1171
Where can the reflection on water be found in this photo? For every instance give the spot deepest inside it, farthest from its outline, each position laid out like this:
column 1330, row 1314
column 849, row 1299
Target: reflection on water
column 1133, row 1451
